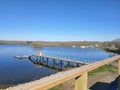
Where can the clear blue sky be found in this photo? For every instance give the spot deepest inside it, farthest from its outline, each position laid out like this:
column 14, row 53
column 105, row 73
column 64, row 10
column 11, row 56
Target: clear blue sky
column 59, row 20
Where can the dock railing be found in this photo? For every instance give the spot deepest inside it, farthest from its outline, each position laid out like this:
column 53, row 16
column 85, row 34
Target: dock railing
column 80, row 75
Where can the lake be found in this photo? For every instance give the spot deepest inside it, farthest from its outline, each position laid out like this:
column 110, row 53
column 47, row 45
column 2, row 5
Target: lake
column 16, row 71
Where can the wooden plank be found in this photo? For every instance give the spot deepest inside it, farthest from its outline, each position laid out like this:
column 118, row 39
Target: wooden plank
column 56, row 79
column 81, row 82
column 119, row 74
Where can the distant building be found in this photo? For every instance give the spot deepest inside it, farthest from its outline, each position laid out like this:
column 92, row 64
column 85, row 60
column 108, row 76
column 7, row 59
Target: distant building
column 73, row 46
column 83, row 46
column 39, row 53
column 90, row 46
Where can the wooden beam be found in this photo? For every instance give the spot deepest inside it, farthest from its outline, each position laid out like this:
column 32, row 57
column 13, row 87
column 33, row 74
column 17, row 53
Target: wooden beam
column 81, row 82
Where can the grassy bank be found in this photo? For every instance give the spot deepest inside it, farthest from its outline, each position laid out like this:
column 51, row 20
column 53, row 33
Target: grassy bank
column 59, row 87
column 108, row 67
column 69, row 43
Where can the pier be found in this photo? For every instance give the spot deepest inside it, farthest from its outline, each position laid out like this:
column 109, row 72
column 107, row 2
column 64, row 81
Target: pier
column 52, row 62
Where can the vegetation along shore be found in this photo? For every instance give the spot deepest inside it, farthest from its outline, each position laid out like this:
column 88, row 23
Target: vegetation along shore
column 110, row 46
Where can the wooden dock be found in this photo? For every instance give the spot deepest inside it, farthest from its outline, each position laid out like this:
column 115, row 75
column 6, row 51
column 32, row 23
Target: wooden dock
column 51, row 62
column 55, row 62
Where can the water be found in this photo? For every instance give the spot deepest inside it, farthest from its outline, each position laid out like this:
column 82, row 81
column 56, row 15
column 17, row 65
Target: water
column 15, row 71
column 88, row 55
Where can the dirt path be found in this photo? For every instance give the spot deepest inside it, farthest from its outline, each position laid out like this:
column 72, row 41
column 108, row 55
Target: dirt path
column 101, row 81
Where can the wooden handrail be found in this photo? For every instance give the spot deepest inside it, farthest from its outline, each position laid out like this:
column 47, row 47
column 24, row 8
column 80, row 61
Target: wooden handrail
column 60, row 77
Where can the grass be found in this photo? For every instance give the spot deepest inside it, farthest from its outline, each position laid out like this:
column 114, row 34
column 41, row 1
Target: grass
column 59, row 87
column 106, row 67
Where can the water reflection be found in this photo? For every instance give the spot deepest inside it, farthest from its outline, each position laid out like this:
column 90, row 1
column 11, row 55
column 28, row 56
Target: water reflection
column 47, row 62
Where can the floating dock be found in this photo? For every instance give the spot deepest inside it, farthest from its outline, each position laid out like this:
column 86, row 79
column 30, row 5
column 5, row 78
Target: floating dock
column 21, row 57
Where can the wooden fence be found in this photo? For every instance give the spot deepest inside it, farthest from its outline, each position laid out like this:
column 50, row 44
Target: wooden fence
column 79, row 74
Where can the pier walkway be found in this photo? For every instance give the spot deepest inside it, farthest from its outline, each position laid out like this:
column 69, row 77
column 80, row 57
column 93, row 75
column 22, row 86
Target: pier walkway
column 55, row 62
column 52, row 62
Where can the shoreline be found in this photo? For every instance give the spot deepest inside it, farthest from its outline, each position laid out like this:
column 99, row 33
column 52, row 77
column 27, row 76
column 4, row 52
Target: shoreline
column 2, row 87
column 113, row 47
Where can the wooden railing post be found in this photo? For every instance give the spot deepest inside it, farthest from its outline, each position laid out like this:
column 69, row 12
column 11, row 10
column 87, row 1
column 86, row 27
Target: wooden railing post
column 118, row 74
column 81, row 82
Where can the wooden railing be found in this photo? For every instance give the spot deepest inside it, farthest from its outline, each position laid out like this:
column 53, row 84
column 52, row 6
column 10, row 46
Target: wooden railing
column 79, row 74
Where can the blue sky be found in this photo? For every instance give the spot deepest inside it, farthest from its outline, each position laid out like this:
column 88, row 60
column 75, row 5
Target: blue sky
column 60, row 20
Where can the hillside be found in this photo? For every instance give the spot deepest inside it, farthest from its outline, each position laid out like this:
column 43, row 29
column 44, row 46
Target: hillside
column 117, row 40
